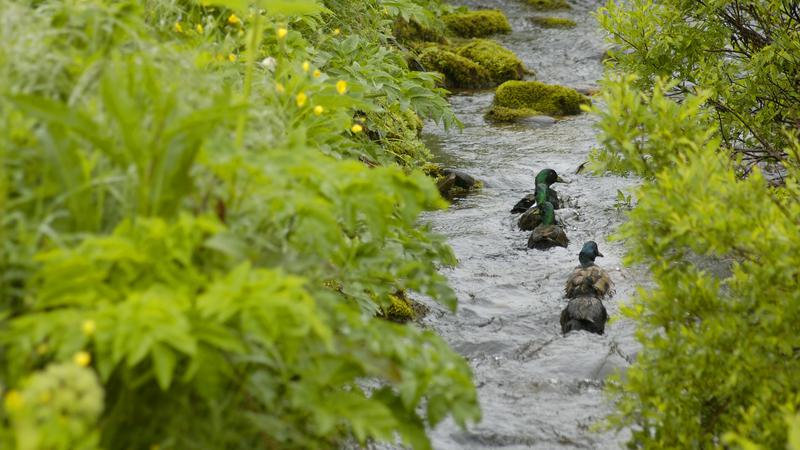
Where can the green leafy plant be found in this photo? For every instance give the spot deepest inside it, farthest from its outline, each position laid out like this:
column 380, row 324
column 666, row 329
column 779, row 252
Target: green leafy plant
column 719, row 355
column 189, row 231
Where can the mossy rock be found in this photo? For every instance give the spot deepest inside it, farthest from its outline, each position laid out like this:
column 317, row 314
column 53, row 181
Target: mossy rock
column 455, row 184
column 411, row 31
column 503, row 114
column 458, row 71
column 533, row 96
column 546, row 5
column 402, row 309
column 476, row 24
column 553, row 22
column 502, row 64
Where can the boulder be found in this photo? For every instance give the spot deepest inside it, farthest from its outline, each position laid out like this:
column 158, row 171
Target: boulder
column 455, row 183
column 458, row 71
column 475, row 24
column 501, row 63
column 518, row 99
column 553, row 22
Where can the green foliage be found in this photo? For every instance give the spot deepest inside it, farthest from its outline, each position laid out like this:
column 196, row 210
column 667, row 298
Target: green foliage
column 458, row 71
column 744, row 55
column 502, row 64
column 534, row 96
column 185, row 212
column 793, row 424
column 56, row 409
column 720, row 350
column 546, row 5
column 477, row 24
column 553, row 22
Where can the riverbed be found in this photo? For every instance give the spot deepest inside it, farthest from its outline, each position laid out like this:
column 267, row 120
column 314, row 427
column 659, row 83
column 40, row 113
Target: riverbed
column 537, row 388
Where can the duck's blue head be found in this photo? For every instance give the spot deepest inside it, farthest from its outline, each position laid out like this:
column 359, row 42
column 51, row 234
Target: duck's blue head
column 588, row 253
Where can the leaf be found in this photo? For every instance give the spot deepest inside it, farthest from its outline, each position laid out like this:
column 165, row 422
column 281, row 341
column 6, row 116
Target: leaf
column 164, row 361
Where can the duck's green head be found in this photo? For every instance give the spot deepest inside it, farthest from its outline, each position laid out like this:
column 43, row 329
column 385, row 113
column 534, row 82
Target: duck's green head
column 588, row 253
column 548, row 213
column 548, row 177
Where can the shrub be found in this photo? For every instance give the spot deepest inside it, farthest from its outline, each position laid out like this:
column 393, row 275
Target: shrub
column 188, row 219
column 718, row 344
column 746, row 54
column 719, row 360
column 477, row 24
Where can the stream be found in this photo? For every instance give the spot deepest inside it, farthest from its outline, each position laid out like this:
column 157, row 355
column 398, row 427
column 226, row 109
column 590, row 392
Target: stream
column 537, row 388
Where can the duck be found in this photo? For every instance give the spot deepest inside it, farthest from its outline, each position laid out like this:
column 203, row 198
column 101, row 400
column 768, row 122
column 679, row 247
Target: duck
column 547, row 234
column 545, row 177
column 584, row 313
column 585, row 288
column 588, row 278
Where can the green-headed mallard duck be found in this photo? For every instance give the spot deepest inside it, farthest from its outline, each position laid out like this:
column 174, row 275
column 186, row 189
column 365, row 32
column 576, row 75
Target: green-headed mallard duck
column 545, row 177
column 584, row 313
column 588, row 279
column 547, row 234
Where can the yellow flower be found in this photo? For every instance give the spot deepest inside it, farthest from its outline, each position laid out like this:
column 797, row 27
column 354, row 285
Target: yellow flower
column 318, row 110
column 199, row 28
column 282, row 32
column 341, row 87
column 178, row 28
column 14, row 401
column 234, row 20
column 317, row 73
column 88, row 327
column 301, row 99
column 82, row 359
column 279, row 88
column 232, row 57
column 42, row 348
column 336, row 31
column 356, row 128
column 306, row 66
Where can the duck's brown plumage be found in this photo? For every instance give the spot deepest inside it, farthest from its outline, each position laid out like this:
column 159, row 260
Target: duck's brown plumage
column 547, row 236
column 591, row 281
column 584, row 313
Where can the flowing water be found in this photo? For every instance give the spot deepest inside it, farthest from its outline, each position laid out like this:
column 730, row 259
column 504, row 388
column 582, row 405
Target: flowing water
column 537, row 388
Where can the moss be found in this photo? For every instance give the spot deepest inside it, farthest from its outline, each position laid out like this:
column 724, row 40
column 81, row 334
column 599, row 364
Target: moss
column 411, row 31
column 502, row 64
column 553, row 22
column 544, row 5
column 503, row 114
column 459, row 72
column 399, row 310
column 530, row 96
column 402, row 309
column 473, row 24
column 432, row 170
